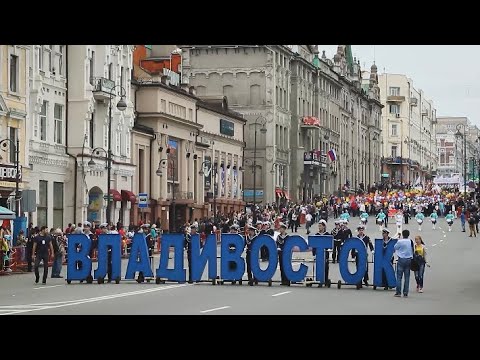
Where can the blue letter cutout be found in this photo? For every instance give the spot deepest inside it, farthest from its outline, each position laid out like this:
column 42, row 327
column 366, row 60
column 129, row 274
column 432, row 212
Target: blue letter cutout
column 139, row 260
column 320, row 243
column 290, row 243
column 201, row 257
column 353, row 243
column 178, row 272
column 78, row 250
column 382, row 263
column 258, row 273
column 105, row 241
column 232, row 257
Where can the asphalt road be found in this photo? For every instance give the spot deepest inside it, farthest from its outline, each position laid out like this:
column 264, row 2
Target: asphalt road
column 452, row 286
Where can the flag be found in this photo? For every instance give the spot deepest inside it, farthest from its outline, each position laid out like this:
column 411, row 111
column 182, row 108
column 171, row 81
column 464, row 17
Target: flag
column 332, row 155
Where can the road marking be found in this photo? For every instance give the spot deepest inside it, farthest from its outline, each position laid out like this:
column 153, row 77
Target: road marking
column 47, row 287
column 282, row 293
column 45, row 306
column 434, row 244
column 441, row 240
column 215, row 309
column 445, row 235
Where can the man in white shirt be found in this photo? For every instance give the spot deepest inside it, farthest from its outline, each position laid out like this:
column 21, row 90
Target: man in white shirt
column 308, row 219
column 404, row 251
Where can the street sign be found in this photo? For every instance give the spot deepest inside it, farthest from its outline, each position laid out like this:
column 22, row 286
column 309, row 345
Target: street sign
column 143, row 200
column 106, row 197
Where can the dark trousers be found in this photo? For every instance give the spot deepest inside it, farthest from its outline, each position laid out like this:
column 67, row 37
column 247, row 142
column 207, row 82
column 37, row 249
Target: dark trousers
column 327, row 266
column 38, row 258
column 365, row 277
column 189, row 260
column 249, row 266
column 337, row 245
column 264, row 253
column 28, row 257
column 384, row 276
column 109, row 265
column 282, row 272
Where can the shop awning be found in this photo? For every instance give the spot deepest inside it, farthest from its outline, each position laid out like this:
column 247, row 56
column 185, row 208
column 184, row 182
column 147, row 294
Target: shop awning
column 6, row 214
column 127, row 195
column 287, row 196
column 115, row 195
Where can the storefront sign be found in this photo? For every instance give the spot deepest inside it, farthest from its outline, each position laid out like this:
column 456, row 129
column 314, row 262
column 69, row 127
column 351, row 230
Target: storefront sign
column 8, row 172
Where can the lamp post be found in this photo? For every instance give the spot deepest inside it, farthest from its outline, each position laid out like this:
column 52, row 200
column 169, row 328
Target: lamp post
column 16, row 147
column 459, row 135
column 370, row 157
column 159, row 172
column 263, row 130
column 121, row 105
column 201, row 173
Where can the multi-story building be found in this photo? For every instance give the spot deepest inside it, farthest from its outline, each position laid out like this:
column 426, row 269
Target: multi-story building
column 14, row 89
column 451, row 148
column 50, row 165
column 296, row 97
column 188, row 150
column 409, row 131
column 98, row 78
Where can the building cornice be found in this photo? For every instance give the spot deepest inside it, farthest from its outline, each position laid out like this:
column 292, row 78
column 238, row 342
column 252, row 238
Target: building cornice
column 171, row 118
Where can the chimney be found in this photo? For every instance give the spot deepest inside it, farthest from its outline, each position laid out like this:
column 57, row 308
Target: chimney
column 184, row 87
column 192, row 90
column 164, row 79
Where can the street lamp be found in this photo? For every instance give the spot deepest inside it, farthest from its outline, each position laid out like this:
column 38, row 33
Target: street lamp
column 159, row 172
column 16, row 147
column 263, row 130
column 121, row 105
column 459, row 135
column 201, row 173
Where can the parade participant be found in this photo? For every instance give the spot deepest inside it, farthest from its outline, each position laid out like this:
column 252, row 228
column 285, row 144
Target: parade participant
column 433, row 219
column 420, row 257
column 345, row 216
column 386, row 238
column 281, row 238
column 187, row 244
column 41, row 246
column 419, row 217
column 264, row 230
column 345, row 233
column 404, row 251
column 337, row 241
column 58, row 242
column 322, row 230
column 104, row 230
column 364, row 218
column 449, row 218
column 471, row 225
column 93, row 243
column 463, row 220
column 234, row 229
column 368, row 245
column 399, row 220
column 249, row 239
column 380, row 219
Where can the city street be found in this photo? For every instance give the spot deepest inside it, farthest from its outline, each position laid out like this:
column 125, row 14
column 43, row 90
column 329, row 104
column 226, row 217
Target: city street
column 452, row 286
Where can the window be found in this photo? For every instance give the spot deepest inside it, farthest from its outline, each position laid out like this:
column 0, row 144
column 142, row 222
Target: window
column 13, row 73
column 58, row 118
column 60, row 59
column 42, row 207
column 190, row 114
column 394, row 151
column 163, row 105
column 394, row 91
column 58, row 205
column 394, row 130
column 13, row 136
column 91, row 129
column 43, row 121
column 394, row 109
column 92, row 66
column 110, row 71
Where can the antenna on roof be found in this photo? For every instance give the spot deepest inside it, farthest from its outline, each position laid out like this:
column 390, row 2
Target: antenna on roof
column 374, row 54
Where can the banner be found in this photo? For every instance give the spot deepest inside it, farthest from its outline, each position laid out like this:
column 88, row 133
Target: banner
column 207, row 172
column 79, row 265
column 235, row 183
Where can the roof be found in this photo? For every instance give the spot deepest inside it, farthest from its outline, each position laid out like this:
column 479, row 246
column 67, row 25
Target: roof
column 143, row 129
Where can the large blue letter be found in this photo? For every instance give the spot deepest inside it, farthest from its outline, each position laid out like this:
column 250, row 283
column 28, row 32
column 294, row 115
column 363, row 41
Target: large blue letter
column 139, row 260
column 320, row 243
column 78, row 250
column 258, row 273
column 353, row 243
column 382, row 262
column 105, row 240
column 178, row 272
column 201, row 257
column 290, row 243
column 232, row 256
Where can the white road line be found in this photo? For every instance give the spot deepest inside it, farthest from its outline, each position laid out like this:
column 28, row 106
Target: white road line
column 89, row 300
column 434, row 244
column 215, row 309
column 47, row 287
column 445, row 236
column 282, row 293
column 441, row 240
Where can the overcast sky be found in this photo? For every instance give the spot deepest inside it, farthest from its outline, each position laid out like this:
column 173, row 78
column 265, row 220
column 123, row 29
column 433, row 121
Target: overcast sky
column 448, row 74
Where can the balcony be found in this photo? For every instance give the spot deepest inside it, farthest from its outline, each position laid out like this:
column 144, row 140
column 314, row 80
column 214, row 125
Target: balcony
column 309, row 122
column 395, row 99
column 315, row 158
column 396, row 160
column 102, row 88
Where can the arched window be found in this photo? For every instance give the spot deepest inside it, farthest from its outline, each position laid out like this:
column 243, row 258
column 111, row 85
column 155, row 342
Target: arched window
column 255, row 95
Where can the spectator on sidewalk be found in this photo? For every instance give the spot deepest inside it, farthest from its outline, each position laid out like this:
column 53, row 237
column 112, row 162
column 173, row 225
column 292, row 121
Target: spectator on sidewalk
column 58, row 243
column 41, row 246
